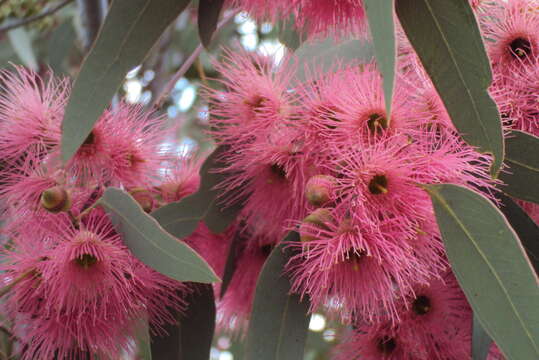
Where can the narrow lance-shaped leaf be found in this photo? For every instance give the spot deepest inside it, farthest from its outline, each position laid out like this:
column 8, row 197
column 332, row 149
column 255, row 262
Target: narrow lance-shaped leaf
column 182, row 217
column 382, row 27
column 279, row 321
column 151, row 244
column 324, row 54
column 522, row 174
column 208, row 16
column 480, row 341
column 447, row 39
column 130, row 30
column 21, row 42
column 288, row 34
column 191, row 337
column 491, row 267
column 526, row 229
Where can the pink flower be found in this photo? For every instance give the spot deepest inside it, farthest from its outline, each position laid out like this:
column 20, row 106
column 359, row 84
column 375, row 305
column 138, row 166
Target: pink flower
column 31, row 111
column 255, row 99
column 382, row 342
column 312, row 17
column 234, row 308
column 181, row 179
column 362, row 269
column 123, row 147
column 513, row 26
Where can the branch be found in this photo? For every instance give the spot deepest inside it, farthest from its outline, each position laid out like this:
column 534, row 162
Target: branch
column 32, row 19
column 159, row 100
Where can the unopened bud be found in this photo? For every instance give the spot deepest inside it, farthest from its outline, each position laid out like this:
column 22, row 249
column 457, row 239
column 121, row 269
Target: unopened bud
column 318, row 218
column 319, row 189
column 56, row 199
column 144, row 198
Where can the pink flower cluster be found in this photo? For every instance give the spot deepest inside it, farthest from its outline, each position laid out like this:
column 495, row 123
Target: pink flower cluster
column 310, row 17
column 324, row 158
column 76, row 290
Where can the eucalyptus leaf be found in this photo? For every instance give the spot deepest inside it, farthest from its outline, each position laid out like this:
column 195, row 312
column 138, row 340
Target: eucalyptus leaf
column 487, row 259
column 526, row 229
column 181, row 218
column 522, row 173
column 279, row 321
column 382, row 26
column 447, row 40
column 288, row 34
column 151, row 244
column 130, row 30
column 234, row 253
column 324, row 54
column 61, row 42
column 208, row 16
column 21, row 42
column 198, row 324
column 480, row 341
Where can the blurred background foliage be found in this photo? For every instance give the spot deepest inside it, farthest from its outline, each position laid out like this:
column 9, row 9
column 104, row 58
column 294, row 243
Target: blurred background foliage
column 53, row 36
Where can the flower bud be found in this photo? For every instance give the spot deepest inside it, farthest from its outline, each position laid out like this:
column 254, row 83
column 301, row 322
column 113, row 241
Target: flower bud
column 56, row 199
column 319, row 189
column 318, row 218
column 144, row 198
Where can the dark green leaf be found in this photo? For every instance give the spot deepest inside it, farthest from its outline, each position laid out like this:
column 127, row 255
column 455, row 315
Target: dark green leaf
column 181, row 218
column 151, row 244
column 279, row 321
column 208, row 16
column 191, row 338
column 480, row 341
column 382, row 26
column 446, row 38
column 198, row 324
column 522, row 174
column 526, row 229
column 130, row 30
column 234, row 253
column 61, row 42
column 491, row 267
column 288, row 34
column 324, row 54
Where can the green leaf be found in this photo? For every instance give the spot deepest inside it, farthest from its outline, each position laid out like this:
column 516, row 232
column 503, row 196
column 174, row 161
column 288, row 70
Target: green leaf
column 191, row 338
column 491, row 267
column 480, row 341
column 288, row 34
column 234, row 253
column 324, row 54
column 130, row 30
column 181, row 218
column 21, row 42
column 61, row 42
column 382, row 26
column 447, row 39
column 522, row 174
column 526, row 229
column 208, row 16
column 279, row 321
column 151, row 244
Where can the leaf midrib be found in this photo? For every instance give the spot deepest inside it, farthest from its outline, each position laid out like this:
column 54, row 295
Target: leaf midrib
column 483, row 256
column 171, row 255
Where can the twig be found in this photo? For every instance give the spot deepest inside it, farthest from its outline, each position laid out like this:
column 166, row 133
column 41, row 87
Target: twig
column 201, row 73
column 31, row 19
column 159, row 100
column 8, row 287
